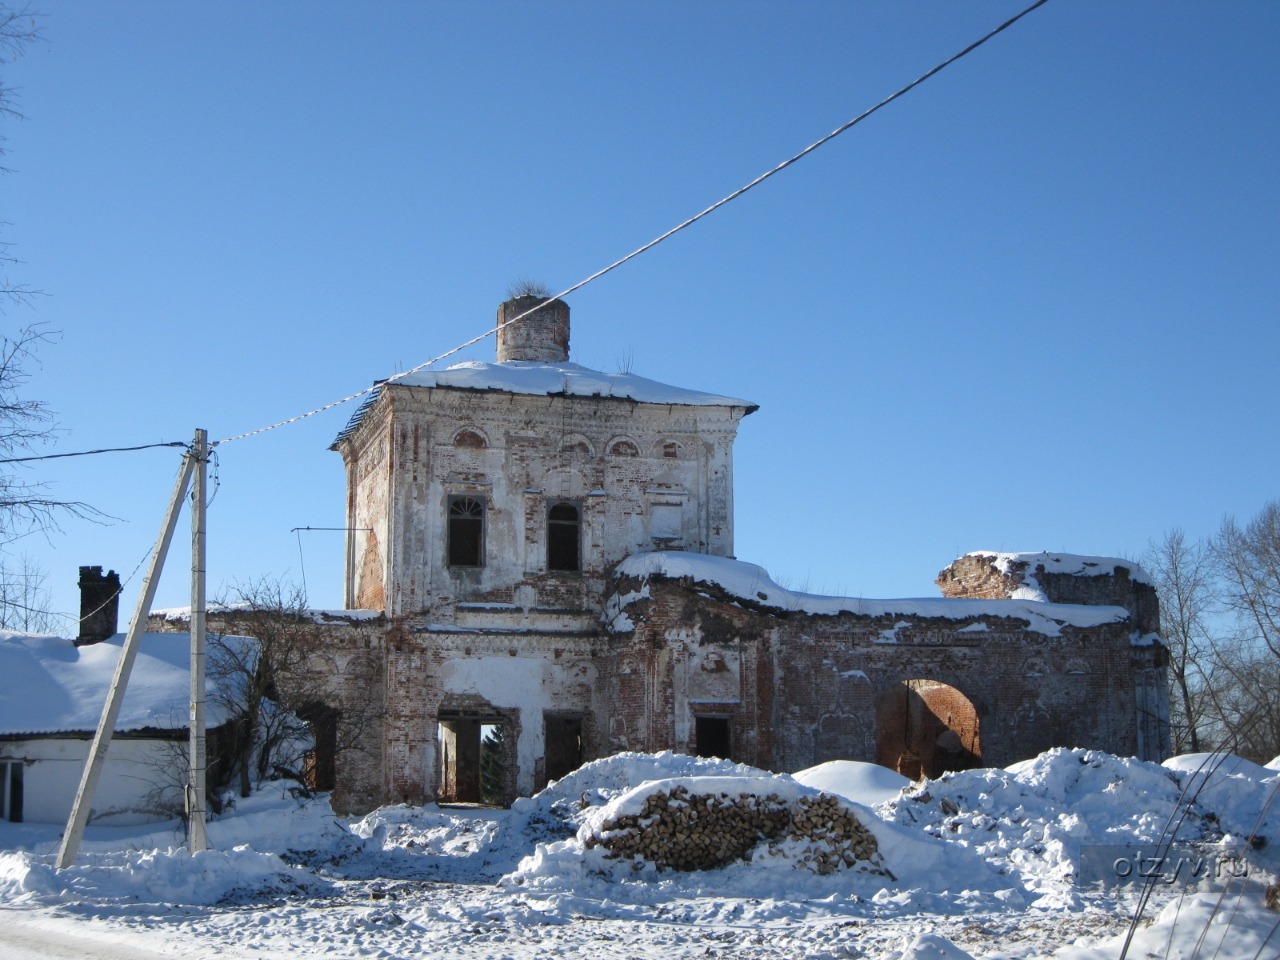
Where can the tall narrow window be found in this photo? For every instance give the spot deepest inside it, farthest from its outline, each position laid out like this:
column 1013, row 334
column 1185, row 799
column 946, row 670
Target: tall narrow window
column 564, row 528
column 466, row 532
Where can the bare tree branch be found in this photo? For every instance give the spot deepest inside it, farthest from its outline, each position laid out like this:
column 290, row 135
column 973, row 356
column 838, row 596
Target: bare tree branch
column 1183, row 574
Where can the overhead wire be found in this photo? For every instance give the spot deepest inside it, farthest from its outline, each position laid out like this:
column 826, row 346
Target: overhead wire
column 575, row 287
column 657, row 240
column 115, row 595
column 91, row 453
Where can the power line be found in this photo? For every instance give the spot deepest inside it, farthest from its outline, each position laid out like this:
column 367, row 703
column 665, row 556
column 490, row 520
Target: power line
column 90, row 453
column 670, row 233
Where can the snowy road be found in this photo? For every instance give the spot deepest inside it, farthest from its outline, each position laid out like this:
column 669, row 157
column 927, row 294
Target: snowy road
column 27, row 938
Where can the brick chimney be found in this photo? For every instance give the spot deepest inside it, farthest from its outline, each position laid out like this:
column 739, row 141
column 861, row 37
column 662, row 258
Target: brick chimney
column 542, row 336
column 99, row 605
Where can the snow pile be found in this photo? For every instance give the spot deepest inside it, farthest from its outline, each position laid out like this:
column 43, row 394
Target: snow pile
column 246, row 859
column 896, row 867
column 171, row 875
column 1233, row 927
column 867, row 783
column 430, row 842
column 1038, row 818
column 1243, row 796
column 600, row 781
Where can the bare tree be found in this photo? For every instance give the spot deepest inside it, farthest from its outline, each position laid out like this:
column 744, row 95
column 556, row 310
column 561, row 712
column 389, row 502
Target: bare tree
column 1184, row 576
column 24, row 601
column 1247, row 560
column 292, row 717
column 26, row 505
column 18, row 29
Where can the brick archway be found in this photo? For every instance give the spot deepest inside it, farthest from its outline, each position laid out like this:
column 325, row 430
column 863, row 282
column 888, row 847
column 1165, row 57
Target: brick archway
column 925, row 728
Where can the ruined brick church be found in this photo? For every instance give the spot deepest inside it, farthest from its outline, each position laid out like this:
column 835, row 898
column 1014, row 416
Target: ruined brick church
column 547, row 552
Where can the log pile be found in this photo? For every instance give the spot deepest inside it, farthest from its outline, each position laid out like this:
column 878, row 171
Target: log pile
column 679, row 830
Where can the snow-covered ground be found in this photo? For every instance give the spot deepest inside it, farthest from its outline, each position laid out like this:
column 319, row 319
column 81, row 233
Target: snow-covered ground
column 1041, row 859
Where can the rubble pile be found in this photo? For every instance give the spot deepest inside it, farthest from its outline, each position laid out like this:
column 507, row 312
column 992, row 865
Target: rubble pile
column 680, row 830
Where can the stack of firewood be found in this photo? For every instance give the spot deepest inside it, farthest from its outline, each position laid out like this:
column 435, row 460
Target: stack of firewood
column 680, row 830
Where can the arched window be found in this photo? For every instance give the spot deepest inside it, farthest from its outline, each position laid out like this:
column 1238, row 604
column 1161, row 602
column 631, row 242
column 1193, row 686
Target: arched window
column 564, row 537
column 469, row 439
column 671, row 450
column 624, row 448
column 466, row 532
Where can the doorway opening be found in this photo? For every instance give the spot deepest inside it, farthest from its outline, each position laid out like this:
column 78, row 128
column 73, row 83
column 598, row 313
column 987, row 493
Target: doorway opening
column 477, row 755
column 319, row 764
column 712, row 737
column 925, row 728
column 563, row 739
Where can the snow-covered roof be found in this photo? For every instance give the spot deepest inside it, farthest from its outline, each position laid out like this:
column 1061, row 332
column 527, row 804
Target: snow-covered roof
column 753, row 584
column 1072, row 564
column 539, row 378
column 52, row 686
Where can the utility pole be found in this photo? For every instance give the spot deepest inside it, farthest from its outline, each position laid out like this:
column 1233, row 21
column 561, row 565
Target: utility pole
column 72, row 836
column 196, row 838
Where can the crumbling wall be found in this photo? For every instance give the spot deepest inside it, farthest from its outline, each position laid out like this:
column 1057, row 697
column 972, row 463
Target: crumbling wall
column 1057, row 578
column 810, row 685
column 531, row 671
column 675, row 657
column 341, row 679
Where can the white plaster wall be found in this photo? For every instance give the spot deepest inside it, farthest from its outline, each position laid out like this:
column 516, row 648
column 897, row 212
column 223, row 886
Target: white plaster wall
column 532, row 685
column 134, row 769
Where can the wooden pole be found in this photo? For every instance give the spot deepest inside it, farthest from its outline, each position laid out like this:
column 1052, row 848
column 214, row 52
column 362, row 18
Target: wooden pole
column 115, row 697
column 196, row 837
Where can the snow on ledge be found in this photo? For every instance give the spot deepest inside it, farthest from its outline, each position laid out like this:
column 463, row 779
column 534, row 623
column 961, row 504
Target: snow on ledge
column 183, row 614
column 753, row 584
column 1074, row 565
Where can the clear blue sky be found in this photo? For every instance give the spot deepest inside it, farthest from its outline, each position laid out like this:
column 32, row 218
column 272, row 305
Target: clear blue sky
column 1029, row 306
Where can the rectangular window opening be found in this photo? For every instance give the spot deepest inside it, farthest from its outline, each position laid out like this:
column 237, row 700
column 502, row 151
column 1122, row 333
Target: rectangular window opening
column 564, row 537
column 466, row 531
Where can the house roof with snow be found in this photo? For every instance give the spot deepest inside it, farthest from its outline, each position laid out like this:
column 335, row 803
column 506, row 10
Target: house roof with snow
column 51, row 686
